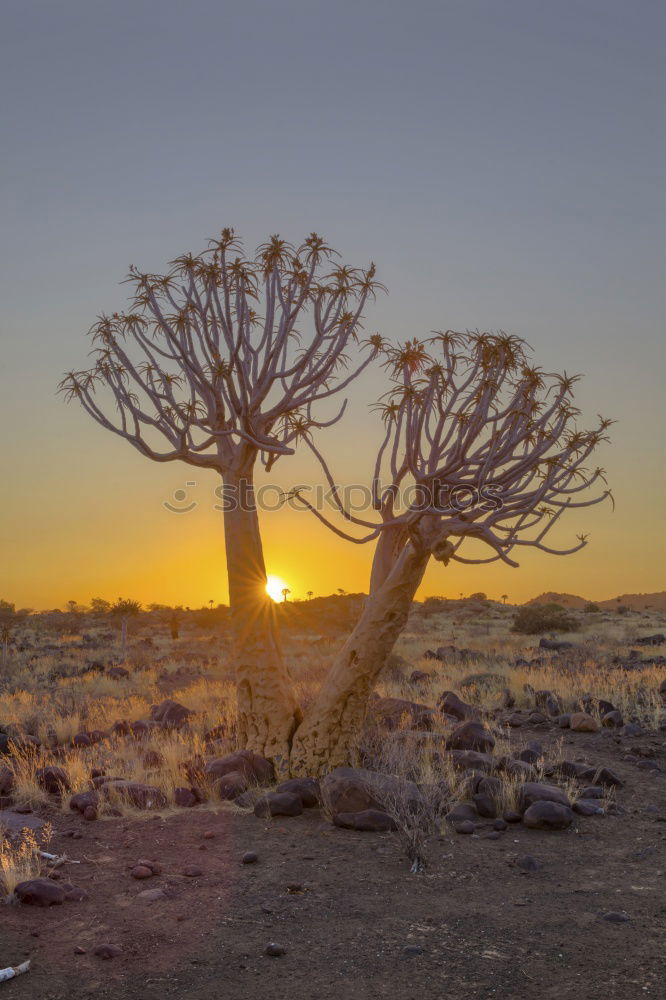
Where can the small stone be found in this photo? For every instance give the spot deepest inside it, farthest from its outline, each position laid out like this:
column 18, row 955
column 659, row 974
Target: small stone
column 412, row 949
column 466, row 827
column 615, row 917
column 527, row 863
column 208, row 835
column 90, row 813
column 274, row 950
column 141, row 871
column 512, row 816
column 108, row 951
column 250, row 858
column 592, row 792
column 152, row 895
column 493, row 835
column 500, row 824
column 604, row 776
column 192, row 871
column 588, row 807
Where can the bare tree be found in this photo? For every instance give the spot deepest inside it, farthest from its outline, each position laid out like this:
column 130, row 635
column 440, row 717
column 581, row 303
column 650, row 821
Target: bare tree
column 213, row 366
column 467, row 415
column 123, row 610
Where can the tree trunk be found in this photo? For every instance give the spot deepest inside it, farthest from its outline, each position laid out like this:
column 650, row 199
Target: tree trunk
column 123, row 639
column 332, row 724
column 268, row 712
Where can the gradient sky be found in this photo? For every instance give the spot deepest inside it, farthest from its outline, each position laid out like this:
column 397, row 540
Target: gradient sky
column 502, row 162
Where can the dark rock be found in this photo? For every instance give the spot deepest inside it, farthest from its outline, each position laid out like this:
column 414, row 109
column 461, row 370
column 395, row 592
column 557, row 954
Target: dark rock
column 134, row 793
column 351, row 790
column 185, row 798
column 306, row 788
column 612, row 720
column 609, row 779
column 230, row 785
column 40, row 892
column 450, row 704
column 6, row 780
column 369, row 821
column 108, row 951
column 390, row 713
column 536, row 791
column 279, row 804
column 461, row 812
column 117, row 673
column 564, row 721
column 527, row 863
column 471, row 736
column 82, row 800
column 274, row 950
column 486, row 805
column 588, row 807
column 593, row 792
column 512, row 816
column 631, row 729
column 249, row 858
column 548, row 815
column 465, row 827
column 192, row 871
column 420, row 677
column 501, row 825
column 90, row 813
column 53, row 780
column 141, row 871
column 516, row 720
column 170, row 714
column 256, row 769
column 616, row 917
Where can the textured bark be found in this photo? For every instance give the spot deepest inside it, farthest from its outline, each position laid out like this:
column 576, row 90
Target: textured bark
column 327, row 735
column 267, row 709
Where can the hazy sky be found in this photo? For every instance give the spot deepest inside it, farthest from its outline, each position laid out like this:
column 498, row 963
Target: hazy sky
column 502, row 162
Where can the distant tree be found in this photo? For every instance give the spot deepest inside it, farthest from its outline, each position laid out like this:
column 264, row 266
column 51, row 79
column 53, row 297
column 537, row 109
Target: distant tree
column 591, row 608
column 285, row 593
column 505, row 598
column 310, row 595
column 173, row 625
column 478, row 596
column 99, row 606
column 124, row 609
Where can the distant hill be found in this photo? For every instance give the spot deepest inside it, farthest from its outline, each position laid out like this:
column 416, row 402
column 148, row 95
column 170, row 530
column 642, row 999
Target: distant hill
column 637, row 602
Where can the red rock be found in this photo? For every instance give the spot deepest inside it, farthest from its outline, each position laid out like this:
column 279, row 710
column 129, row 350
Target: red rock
column 256, row 769
column 185, row 798
column 471, row 736
column 192, row 871
column 367, row 821
column 231, row 785
column 141, row 871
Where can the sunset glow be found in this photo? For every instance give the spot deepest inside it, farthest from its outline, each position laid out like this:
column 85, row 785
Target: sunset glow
column 274, row 587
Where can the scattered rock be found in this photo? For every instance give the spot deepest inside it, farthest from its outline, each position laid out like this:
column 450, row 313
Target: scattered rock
column 548, row 815
column 52, row 779
column 274, row 950
column 40, row 892
column 536, row 791
column 192, row 871
column 471, row 736
column 367, row 821
column 615, row 917
column 279, row 804
column 450, row 704
column 107, row 951
column 583, row 722
column 250, row 858
column 307, row 789
column 607, row 778
column 588, row 807
column 141, row 871
column 527, row 863
column 134, row 793
column 255, row 769
column 466, row 827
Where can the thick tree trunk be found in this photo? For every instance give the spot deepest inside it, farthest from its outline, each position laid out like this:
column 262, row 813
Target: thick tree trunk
column 332, row 724
column 267, row 709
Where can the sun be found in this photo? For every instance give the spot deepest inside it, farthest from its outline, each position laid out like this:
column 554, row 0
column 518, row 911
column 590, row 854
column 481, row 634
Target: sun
column 274, row 587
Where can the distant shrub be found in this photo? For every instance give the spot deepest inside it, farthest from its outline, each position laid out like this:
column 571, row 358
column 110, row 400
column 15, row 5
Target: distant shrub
column 536, row 618
column 478, row 596
column 591, row 609
column 622, row 609
column 433, row 605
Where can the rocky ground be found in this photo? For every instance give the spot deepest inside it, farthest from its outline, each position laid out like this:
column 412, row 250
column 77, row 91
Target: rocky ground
column 518, row 913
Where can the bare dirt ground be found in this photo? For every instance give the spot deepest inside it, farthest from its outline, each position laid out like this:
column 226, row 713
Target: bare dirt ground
column 353, row 921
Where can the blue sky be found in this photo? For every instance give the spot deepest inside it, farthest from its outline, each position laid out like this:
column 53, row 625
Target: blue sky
column 501, row 162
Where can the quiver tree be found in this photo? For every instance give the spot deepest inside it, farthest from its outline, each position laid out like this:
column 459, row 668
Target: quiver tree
column 123, row 610
column 221, row 363
column 480, row 457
